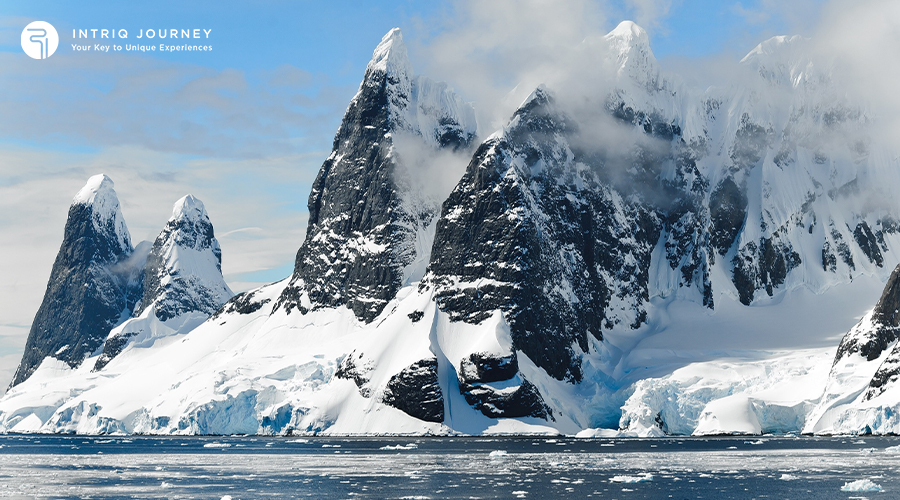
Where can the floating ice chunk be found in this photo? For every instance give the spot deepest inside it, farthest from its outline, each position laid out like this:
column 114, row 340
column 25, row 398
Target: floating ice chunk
column 598, row 433
column 520, row 494
column 892, row 449
column 226, row 497
column 217, row 445
column 498, row 453
column 861, row 485
column 410, row 446
column 643, row 478
column 788, row 477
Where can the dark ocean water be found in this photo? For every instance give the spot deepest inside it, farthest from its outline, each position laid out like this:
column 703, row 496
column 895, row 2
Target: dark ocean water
column 381, row 468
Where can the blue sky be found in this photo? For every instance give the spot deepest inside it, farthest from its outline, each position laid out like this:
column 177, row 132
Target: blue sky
column 246, row 126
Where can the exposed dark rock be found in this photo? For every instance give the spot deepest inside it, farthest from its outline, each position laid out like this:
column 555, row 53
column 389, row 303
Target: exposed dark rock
column 842, row 248
column 727, row 210
column 358, row 226
column 527, row 239
column 886, row 375
column 112, row 348
column 170, row 287
column 868, row 243
column 764, row 266
column 483, row 367
column 829, row 259
column 416, row 391
column 173, row 290
column 751, row 141
column 352, row 367
column 242, row 303
column 523, row 401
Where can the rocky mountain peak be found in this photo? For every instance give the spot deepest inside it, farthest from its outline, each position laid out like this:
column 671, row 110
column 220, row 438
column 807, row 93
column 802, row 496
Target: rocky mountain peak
column 629, row 33
column 182, row 282
column 184, row 269
column 92, row 285
column 785, row 61
column 359, row 212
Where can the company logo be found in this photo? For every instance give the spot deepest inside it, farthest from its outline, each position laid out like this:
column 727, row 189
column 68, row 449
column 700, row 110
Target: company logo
column 39, row 40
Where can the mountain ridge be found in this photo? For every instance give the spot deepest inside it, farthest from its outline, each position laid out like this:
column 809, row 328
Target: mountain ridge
column 521, row 301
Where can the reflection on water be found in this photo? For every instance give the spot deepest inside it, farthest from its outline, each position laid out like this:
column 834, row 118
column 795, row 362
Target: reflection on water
column 257, row 467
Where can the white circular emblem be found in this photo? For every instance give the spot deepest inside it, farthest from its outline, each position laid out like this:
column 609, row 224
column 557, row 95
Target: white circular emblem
column 39, row 40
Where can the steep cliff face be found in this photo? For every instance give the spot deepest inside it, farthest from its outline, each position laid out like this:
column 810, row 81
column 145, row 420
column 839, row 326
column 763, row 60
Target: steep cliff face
column 533, row 231
column 363, row 226
column 92, row 286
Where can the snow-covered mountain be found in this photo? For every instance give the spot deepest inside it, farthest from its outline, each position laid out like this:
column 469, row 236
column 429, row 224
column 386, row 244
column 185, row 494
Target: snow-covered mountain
column 182, row 282
column 594, row 257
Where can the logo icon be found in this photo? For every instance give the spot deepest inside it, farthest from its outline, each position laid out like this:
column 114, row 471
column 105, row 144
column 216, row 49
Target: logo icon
column 39, row 40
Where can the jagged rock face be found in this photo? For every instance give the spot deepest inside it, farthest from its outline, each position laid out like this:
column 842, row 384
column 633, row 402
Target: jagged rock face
column 353, row 368
column 182, row 276
column 728, row 209
column 91, row 287
column 885, row 330
column 184, row 269
column 358, row 236
column 493, row 385
column 532, row 231
column 524, row 401
column 416, row 391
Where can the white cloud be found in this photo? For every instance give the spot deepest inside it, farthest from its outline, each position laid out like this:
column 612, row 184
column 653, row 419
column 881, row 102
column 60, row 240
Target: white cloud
column 650, row 13
column 495, row 53
column 863, row 37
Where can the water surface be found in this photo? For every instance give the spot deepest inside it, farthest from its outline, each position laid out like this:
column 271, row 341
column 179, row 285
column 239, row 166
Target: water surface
column 330, row 468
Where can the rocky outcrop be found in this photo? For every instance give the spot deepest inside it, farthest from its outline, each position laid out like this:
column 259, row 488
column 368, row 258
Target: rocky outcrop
column 415, row 390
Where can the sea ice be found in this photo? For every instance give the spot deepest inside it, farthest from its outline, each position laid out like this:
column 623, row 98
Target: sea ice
column 861, row 485
column 410, row 446
column 643, row 478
